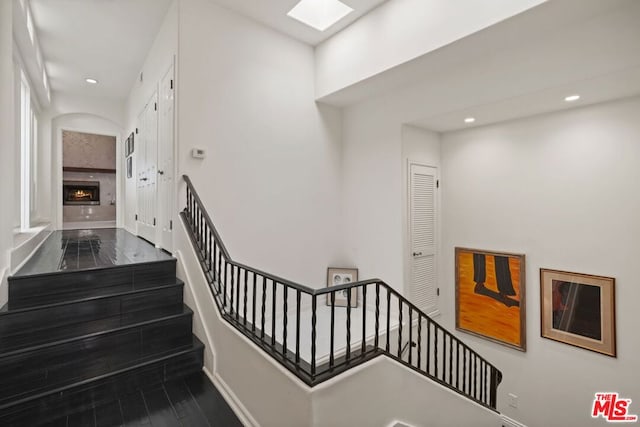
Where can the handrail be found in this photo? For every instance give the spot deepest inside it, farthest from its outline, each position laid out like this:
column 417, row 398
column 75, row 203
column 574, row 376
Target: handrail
column 236, row 289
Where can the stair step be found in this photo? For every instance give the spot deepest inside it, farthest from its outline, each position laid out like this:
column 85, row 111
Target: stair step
column 50, row 367
column 59, row 314
column 48, row 288
column 47, row 337
column 100, row 389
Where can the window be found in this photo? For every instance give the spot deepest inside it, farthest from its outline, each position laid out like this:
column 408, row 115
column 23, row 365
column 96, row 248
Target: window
column 28, row 155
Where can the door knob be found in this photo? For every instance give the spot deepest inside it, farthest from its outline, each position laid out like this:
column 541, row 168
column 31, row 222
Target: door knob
column 417, row 253
column 143, row 179
column 161, row 172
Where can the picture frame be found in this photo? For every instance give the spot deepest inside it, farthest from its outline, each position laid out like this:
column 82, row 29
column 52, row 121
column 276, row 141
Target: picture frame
column 491, row 296
column 340, row 276
column 129, row 167
column 578, row 309
column 129, row 145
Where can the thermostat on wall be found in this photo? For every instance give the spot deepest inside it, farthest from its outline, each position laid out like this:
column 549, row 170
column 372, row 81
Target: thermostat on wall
column 198, row 153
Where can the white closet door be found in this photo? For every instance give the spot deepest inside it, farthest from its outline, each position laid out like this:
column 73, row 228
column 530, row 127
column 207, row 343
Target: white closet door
column 422, row 236
column 166, row 179
column 147, row 160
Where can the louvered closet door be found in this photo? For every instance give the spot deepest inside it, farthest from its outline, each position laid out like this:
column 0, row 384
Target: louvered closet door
column 422, row 235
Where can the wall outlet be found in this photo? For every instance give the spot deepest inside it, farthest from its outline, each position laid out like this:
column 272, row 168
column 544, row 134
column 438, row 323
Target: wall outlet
column 513, row 400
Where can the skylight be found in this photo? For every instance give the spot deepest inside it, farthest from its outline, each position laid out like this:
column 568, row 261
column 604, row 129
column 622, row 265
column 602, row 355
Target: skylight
column 319, row 14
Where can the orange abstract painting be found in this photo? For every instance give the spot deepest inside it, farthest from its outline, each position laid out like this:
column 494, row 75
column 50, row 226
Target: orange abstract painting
column 490, row 295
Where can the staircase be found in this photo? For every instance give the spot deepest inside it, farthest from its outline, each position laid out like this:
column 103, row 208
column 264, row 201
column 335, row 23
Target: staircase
column 315, row 337
column 72, row 340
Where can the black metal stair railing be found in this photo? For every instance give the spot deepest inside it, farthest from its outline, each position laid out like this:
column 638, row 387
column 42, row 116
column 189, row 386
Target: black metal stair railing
column 310, row 334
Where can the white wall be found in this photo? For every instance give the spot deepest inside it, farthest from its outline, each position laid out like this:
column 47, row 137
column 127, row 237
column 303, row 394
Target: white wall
column 384, row 391
column 7, row 147
column 563, row 190
column 271, row 179
column 372, row 192
column 261, row 392
column 399, row 31
column 159, row 59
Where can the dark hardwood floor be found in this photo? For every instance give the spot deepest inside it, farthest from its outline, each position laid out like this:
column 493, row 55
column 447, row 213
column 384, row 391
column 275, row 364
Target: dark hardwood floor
column 96, row 333
column 189, row 402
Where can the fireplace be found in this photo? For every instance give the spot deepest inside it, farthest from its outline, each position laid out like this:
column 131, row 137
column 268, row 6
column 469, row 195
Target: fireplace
column 81, row 193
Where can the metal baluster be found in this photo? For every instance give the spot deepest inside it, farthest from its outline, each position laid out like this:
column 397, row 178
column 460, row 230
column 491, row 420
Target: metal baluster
column 377, row 338
column 253, row 305
column 364, row 319
column 450, row 358
column 484, row 381
column 264, row 303
column 333, row 328
column 457, row 364
column 215, row 263
column 273, row 314
column 246, row 288
column 400, row 329
column 298, row 296
column 388, row 319
column 210, row 257
column 232, row 290
column 464, row 370
column 285, row 321
column 475, row 370
column 428, row 355
column 348, row 355
column 419, row 339
column 410, row 333
column 313, row 335
column 444, row 355
column 237, row 284
column 219, row 264
column 494, row 387
column 435, row 352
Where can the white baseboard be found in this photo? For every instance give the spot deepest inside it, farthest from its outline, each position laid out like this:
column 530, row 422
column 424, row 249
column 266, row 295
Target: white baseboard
column 509, row 422
column 232, row 400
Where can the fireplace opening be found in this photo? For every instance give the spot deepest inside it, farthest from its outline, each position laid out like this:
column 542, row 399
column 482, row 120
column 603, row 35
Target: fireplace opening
column 81, row 193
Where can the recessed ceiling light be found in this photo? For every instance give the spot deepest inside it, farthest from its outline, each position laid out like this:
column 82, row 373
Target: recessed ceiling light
column 572, row 98
column 469, row 120
column 90, row 80
column 319, row 14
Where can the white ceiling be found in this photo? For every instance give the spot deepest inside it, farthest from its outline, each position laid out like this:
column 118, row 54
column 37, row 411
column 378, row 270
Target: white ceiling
column 273, row 13
column 104, row 39
column 520, row 67
column 517, row 68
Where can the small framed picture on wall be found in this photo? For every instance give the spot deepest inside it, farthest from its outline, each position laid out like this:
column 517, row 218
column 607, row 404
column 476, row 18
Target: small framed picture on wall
column 338, row 277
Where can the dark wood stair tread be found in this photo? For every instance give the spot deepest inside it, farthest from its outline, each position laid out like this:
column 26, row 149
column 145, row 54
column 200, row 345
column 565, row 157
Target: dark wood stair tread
column 100, row 370
column 42, row 338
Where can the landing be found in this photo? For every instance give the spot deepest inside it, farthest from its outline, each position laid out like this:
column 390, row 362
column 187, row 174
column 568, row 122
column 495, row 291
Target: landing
column 89, row 249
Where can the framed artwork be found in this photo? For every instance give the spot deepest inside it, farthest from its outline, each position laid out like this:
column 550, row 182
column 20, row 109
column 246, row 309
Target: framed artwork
column 490, row 296
column 129, row 167
column 342, row 276
column 129, row 145
column 578, row 309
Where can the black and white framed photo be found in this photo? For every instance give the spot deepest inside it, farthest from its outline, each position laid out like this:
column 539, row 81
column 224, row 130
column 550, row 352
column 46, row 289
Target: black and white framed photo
column 342, row 276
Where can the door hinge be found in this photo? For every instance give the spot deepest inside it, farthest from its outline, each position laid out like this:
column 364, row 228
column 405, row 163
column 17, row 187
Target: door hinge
column 437, row 291
column 136, row 217
column 154, row 222
column 170, row 225
column 437, row 183
column 171, row 84
column 155, row 106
